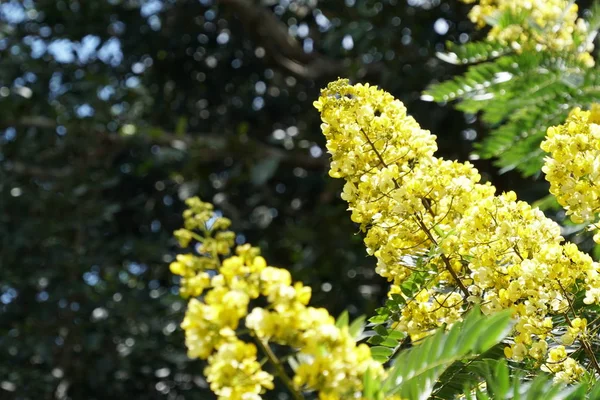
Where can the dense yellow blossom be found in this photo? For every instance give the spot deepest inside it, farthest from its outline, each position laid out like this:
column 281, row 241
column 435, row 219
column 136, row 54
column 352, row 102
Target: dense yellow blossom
column 573, row 165
column 565, row 367
column 423, row 217
column 430, row 216
column 235, row 374
column 551, row 24
column 419, row 316
column 223, row 287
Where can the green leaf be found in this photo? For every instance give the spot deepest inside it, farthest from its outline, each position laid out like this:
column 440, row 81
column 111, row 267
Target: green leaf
column 394, row 334
column 375, row 339
column 356, row 328
column 381, row 330
column 497, row 327
column 397, row 299
column 389, row 342
column 473, row 52
column 518, row 95
column 416, row 371
column 182, row 125
column 381, row 354
column 547, row 203
column 502, row 383
column 378, row 319
column 595, row 391
column 368, row 384
column 596, row 252
column 342, row 320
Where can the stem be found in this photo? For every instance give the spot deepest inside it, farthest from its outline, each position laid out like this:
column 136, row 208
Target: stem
column 452, row 272
column 197, row 237
column 584, row 343
column 421, row 224
column 280, row 371
column 375, row 150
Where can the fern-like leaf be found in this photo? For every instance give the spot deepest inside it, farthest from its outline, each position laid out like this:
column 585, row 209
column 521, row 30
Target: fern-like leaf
column 502, row 383
column 473, row 52
column 519, row 94
column 416, row 371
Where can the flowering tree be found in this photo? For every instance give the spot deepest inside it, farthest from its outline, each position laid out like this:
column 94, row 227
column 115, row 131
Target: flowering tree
column 482, row 285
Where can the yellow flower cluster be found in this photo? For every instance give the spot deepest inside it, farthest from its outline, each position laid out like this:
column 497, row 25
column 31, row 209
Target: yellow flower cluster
column 428, row 216
column 234, row 373
column 419, row 316
column 223, row 287
column 573, row 166
column 565, row 367
column 551, row 24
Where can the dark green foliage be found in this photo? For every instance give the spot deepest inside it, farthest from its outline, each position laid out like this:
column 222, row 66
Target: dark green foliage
column 467, row 362
column 416, row 371
column 501, row 382
column 384, row 339
column 473, row 52
column 466, row 373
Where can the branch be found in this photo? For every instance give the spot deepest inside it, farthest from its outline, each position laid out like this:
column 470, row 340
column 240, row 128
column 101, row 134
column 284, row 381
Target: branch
column 219, row 146
column 213, row 147
column 584, row 343
column 271, row 33
column 33, row 122
column 38, row 172
column 280, row 371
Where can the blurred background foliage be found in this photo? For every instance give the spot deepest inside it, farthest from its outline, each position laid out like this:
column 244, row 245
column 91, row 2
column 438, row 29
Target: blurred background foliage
column 115, row 111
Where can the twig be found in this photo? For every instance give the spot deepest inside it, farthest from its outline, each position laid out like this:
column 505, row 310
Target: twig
column 280, row 371
column 584, row 343
column 421, row 223
column 214, row 146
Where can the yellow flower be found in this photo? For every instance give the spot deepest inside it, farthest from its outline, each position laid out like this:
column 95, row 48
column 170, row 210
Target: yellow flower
column 565, row 368
column 234, row 372
column 573, row 165
column 222, row 289
column 431, row 217
column 539, row 24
